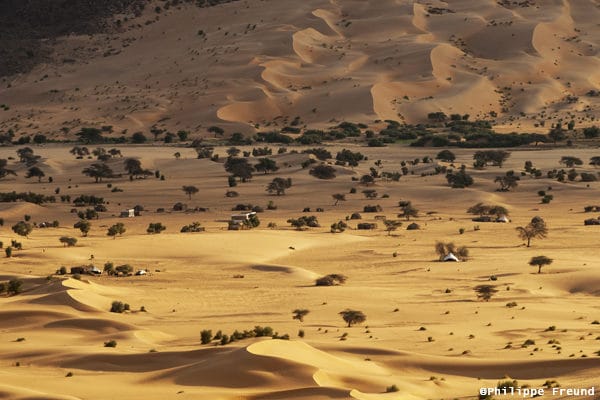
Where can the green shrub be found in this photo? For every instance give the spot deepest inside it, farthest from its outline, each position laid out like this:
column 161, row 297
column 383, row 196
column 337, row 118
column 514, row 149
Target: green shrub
column 206, row 336
column 263, row 331
column 15, row 286
column 392, row 389
column 224, row 340
column 331, row 280
column 528, row 342
column 155, row 228
column 119, row 307
column 193, row 227
column 110, row 343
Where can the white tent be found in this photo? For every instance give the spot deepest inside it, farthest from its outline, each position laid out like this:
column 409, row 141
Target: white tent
column 451, row 257
column 95, row 270
column 502, row 218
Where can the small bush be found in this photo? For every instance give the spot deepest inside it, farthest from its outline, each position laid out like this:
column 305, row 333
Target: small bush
column 323, row 172
column 193, row 227
column 155, row 228
column 14, row 287
column 331, row 280
column 508, row 384
column 528, row 342
column 392, row 389
column 110, row 343
column 206, row 336
column 119, row 307
column 366, row 226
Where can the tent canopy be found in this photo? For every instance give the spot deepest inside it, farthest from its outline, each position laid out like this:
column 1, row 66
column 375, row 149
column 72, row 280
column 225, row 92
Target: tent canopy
column 451, row 257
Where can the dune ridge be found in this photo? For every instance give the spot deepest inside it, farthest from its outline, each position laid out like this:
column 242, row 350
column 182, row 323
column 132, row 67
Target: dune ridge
column 396, row 60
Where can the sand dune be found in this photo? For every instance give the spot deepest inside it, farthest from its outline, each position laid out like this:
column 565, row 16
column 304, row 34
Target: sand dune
column 300, row 273
column 19, row 393
column 393, row 59
column 249, row 370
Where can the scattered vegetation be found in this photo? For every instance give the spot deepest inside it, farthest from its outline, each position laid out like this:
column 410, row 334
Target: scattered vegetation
column 331, row 280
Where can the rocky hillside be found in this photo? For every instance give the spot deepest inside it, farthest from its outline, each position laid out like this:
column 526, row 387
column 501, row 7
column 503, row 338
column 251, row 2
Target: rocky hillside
column 28, row 27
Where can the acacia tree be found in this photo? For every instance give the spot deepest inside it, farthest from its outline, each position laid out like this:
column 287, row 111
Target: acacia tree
column 408, row 211
column 508, row 181
column 485, row 292
column 279, row 185
column 233, row 152
column 391, row 225
column 299, row 314
column 189, row 190
column 494, row 157
column 338, row 227
column 68, row 241
column 116, row 229
column 98, row 171
column 533, row 230
column 84, row 226
column 459, row 179
column 80, row 151
column 216, row 130
column 338, row 197
column 22, row 228
column 27, row 156
column 446, row 156
column 570, row 161
column 367, row 180
column 203, row 151
column 239, row 168
column 323, row 172
column 5, row 171
column 370, row 193
column 540, row 261
column 155, row 228
column 484, row 209
column 132, row 166
column 352, row 317
column 266, row 165
column 35, row 172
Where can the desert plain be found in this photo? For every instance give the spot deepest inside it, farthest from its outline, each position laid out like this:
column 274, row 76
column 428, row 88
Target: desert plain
column 426, row 331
